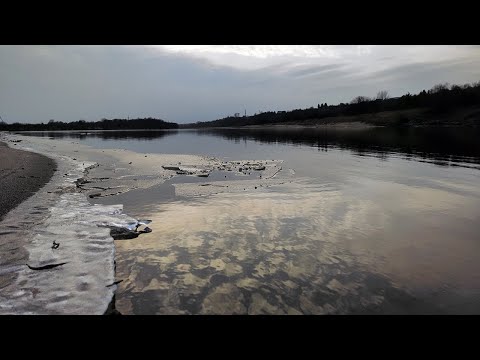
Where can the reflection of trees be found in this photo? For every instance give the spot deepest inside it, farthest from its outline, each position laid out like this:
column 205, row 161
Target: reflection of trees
column 439, row 144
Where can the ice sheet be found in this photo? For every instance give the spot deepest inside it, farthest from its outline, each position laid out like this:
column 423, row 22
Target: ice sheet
column 65, row 217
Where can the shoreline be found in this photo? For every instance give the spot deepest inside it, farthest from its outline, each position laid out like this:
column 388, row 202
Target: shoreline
column 22, row 174
column 349, row 125
column 468, row 117
column 57, row 212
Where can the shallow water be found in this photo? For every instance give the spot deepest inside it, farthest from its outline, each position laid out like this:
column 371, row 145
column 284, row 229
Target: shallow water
column 366, row 221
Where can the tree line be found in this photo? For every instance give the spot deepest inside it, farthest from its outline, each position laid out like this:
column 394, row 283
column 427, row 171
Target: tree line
column 441, row 99
column 104, row 124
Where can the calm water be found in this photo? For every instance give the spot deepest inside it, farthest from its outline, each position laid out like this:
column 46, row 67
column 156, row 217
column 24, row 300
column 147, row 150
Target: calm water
column 377, row 221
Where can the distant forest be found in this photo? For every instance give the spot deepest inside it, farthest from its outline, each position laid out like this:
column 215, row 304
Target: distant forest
column 443, row 104
column 104, row 124
column 441, row 100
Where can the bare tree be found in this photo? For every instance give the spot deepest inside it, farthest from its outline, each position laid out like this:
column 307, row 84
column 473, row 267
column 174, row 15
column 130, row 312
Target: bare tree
column 382, row 95
column 439, row 87
column 360, row 99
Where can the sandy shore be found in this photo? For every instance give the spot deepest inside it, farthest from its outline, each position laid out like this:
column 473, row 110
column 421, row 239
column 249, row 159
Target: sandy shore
column 22, row 174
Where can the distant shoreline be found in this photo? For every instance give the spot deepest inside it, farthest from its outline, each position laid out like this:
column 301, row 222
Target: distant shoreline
column 464, row 117
column 342, row 125
column 418, row 117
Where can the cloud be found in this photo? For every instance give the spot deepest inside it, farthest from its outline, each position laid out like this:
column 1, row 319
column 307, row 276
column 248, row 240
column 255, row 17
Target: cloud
column 314, row 70
column 198, row 83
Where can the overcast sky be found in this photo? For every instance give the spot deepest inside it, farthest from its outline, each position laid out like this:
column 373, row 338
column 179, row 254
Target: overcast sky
column 183, row 83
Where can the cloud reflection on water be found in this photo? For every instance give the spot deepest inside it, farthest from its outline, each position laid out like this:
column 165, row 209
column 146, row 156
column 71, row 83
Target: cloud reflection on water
column 294, row 250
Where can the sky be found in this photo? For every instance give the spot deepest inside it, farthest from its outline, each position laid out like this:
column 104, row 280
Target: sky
column 190, row 83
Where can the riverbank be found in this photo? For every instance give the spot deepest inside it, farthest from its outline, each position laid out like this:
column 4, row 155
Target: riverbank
column 468, row 116
column 347, row 125
column 75, row 276
column 465, row 117
column 22, row 174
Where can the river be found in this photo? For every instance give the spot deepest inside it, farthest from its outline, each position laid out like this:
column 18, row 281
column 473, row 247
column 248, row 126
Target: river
column 364, row 221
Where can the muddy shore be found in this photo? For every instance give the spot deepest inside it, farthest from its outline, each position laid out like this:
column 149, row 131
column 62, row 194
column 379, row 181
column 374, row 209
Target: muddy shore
column 22, row 174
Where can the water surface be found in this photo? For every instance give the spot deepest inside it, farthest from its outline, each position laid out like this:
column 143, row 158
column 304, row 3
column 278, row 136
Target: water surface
column 376, row 221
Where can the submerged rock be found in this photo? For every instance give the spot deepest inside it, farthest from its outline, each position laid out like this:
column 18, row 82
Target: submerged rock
column 130, row 230
column 119, row 233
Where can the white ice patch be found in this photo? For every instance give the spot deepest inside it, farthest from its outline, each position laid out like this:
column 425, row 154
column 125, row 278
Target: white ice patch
column 79, row 286
column 85, row 245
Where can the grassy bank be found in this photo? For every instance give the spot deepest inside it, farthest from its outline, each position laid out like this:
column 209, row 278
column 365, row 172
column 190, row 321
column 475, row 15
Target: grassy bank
column 468, row 116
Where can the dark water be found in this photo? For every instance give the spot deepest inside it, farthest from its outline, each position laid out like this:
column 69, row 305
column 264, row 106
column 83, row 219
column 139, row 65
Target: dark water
column 379, row 221
column 444, row 146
